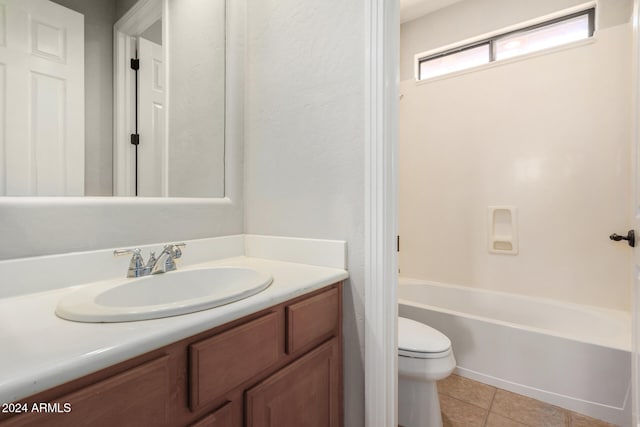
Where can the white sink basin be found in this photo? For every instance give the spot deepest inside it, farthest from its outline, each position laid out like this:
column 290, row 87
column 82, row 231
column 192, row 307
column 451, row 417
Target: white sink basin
column 161, row 295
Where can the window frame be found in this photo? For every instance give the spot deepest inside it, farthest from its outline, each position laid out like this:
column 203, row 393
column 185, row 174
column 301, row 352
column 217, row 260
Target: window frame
column 491, row 41
column 455, row 51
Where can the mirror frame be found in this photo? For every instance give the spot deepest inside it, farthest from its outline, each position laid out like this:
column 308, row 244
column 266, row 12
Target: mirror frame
column 234, row 109
column 36, row 226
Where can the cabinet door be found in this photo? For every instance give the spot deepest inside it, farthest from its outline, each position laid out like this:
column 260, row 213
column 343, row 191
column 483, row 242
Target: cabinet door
column 307, row 393
column 137, row 397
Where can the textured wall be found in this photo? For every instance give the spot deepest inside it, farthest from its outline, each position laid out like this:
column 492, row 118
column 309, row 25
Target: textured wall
column 305, row 142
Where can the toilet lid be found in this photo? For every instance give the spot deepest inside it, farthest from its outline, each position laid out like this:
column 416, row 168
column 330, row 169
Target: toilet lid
column 416, row 337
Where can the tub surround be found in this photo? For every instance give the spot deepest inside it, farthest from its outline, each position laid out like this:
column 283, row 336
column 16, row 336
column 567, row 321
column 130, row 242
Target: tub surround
column 465, row 148
column 47, row 351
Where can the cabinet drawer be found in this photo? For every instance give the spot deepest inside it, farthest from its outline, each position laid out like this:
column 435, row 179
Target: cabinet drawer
column 223, row 362
column 312, row 320
column 133, row 398
column 221, row 417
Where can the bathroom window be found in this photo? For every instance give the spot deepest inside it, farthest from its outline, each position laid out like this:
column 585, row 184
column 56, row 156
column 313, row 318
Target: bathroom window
column 556, row 32
column 452, row 61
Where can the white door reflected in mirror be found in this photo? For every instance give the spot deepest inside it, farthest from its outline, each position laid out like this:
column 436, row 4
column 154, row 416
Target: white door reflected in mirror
column 41, row 99
column 151, row 159
column 68, row 98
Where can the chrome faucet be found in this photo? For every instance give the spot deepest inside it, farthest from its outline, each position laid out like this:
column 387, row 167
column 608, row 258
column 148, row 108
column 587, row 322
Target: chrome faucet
column 165, row 262
column 167, row 259
column 136, row 265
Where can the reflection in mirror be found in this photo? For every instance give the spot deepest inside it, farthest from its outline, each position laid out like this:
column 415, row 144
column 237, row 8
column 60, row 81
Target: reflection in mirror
column 197, row 37
column 62, row 130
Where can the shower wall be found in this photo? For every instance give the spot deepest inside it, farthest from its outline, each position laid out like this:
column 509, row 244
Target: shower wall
column 548, row 134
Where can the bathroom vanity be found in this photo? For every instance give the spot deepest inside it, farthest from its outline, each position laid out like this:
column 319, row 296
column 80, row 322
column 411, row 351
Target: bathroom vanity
column 271, row 359
column 281, row 366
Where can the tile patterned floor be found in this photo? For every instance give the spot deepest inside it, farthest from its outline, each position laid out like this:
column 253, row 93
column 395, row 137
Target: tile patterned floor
column 467, row 403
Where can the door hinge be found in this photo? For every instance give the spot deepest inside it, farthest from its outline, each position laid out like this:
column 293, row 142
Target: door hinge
column 398, row 243
column 135, row 139
column 135, row 64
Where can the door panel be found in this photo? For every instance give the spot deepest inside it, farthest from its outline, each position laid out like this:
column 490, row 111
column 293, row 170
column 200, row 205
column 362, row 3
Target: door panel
column 48, row 41
column 47, row 122
column 151, row 151
column 42, row 81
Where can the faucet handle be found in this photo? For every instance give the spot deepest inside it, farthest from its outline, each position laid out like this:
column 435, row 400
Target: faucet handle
column 175, row 245
column 122, row 252
column 136, row 265
column 177, row 251
column 174, row 249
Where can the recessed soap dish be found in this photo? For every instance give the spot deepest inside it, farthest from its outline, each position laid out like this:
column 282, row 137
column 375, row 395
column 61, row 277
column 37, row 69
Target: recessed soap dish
column 503, row 237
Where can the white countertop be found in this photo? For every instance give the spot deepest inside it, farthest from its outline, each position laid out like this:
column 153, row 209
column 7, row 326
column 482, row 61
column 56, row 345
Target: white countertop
column 39, row 350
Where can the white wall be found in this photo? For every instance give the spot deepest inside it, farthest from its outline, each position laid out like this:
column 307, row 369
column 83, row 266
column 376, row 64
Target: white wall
column 122, row 6
column 305, row 142
column 549, row 134
column 99, row 17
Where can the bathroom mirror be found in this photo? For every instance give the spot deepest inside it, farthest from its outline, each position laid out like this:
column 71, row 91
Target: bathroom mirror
column 80, row 118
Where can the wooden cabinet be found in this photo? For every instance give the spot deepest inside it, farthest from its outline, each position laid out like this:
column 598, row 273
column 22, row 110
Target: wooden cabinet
column 312, row 320
column 218, row 364
column 305, row 393
column 279, row 367
column 140, row 395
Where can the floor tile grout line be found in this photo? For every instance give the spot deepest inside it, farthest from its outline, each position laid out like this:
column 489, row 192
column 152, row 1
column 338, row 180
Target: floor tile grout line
column 474, row 384
column 462, row 401
column 515, row 421
column 486, row 418
column 520, row 395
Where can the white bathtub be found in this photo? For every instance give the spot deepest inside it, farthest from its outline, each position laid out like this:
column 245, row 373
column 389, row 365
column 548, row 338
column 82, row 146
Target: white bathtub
column 573, row 356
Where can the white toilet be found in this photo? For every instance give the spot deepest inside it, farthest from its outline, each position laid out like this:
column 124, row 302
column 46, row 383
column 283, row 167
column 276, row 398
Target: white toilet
column 424, row 357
